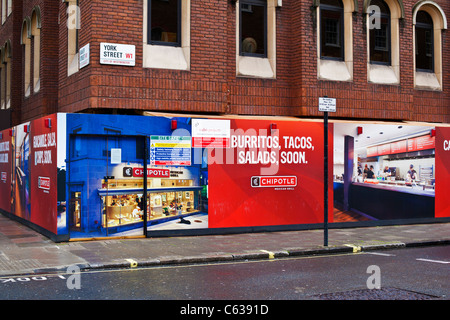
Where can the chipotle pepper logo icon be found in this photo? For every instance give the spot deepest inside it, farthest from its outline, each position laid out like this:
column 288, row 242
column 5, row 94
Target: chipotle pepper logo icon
column 127, row 172
column 255, row 181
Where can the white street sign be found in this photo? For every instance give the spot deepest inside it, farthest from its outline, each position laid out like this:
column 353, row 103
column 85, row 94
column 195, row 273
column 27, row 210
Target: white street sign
column 327, row 104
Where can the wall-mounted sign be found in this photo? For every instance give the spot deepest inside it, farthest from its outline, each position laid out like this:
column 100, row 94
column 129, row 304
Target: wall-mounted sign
column 84, row 56
column 409, row 145
column 210, row 133
column 116, row 156
column 44, row 183
column 421, row 143
column 117, row 54
column 170, row 150
column 151, row 172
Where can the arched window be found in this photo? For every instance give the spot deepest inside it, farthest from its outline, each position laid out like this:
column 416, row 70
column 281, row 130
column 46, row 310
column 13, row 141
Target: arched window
column 6, row 76
column 380, row 35
column 332, row 29
column 36, row 37
column 424, row 42
column 4, row 11
column 383, row 40
column 2, row 79
column 26, row 42
column 429, row 20
column 73, row 27
column 335, row 38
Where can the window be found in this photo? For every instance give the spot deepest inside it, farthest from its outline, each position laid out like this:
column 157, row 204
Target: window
column 36, row 38
column 164, row 22
column 335, row 39
column 26, row 42
column 429, row 20
column 380, row 36
column 3, row 82
column 256, row 45
column 6, row 76
column 383, row 40
column 4, row 10
column 332, row 29
column 166, row 34
column 73, row 27
column 424, row 42
column 253, row 28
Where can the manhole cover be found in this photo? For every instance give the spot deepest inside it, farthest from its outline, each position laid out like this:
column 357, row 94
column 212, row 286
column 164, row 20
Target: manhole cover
column 375, row 294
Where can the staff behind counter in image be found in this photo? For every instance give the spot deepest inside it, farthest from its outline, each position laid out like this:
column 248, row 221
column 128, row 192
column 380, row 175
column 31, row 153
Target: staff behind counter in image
column 411, row 176
column 368, row 173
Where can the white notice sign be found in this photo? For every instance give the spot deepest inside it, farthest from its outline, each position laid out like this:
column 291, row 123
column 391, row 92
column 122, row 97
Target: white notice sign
column 117, row 54
column 116, row 156
column 210, row 133
column 84, row 56
column 327, row 104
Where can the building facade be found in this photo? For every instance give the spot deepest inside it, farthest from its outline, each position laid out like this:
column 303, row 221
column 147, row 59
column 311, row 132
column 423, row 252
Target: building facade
column 244, row 57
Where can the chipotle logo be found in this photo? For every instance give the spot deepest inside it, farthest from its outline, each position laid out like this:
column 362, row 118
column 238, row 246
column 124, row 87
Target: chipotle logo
column 151, row 172
column 273, row 181
column 44, row 183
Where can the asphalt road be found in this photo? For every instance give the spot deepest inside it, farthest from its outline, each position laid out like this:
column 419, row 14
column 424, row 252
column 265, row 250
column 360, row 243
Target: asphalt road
column 406, row 274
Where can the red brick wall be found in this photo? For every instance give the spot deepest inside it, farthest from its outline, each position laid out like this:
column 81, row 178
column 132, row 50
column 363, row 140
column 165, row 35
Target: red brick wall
column 45, row 100
column 211, row 85
column 8, row 32
column 360, row 99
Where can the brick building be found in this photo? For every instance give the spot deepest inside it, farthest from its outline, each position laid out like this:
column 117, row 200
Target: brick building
column 248, row 57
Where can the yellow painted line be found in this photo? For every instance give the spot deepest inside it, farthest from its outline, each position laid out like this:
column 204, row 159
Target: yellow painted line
column 356, row 249
column 133, row 263
column 271, row 254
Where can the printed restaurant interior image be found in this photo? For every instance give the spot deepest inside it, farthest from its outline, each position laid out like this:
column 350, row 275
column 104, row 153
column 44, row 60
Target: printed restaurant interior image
column 384, row 171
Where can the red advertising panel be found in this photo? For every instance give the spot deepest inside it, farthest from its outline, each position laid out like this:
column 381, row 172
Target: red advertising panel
column 268, row 179
column 5, row 170
column 43, row 173
column 421, row 143
column 442, row 206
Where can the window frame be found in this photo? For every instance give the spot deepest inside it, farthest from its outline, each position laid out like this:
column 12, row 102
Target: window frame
column 387, row 16
column 262, row 3
column 341, row 31
column 149, row 27
column 430, row 28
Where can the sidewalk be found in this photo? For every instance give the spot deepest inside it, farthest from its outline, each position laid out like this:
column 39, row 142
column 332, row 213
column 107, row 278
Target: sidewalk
column 24, row 251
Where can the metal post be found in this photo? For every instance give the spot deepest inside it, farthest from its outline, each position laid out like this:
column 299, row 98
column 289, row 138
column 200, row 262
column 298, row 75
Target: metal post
column 325, row 178
column 144, row 197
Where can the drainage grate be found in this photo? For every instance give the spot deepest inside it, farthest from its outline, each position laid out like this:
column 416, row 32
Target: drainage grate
column 375, row 294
